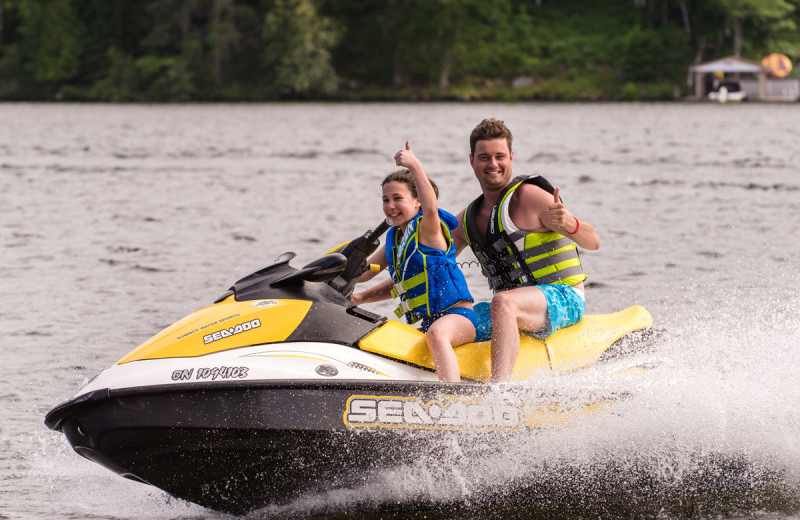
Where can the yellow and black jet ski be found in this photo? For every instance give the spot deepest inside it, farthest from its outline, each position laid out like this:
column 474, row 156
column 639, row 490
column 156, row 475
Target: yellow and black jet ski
column 283, row 386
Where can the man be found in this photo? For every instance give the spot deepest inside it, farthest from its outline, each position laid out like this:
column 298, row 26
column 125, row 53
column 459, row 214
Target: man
column 525, row 238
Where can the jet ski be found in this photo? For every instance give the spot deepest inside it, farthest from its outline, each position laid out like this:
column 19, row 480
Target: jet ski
column 283, row 387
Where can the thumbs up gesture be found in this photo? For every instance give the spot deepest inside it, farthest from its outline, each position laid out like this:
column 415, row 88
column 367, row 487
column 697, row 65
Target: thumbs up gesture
column 406, row 157
column 559, row 216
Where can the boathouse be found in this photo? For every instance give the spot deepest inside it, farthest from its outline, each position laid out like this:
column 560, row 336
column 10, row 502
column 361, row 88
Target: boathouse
column 751, row 76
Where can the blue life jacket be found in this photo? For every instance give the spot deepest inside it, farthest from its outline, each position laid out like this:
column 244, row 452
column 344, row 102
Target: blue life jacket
column 426, row 280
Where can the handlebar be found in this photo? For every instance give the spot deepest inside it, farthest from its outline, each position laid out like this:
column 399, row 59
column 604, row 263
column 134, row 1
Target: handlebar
column 357, row 252
column 380, row 230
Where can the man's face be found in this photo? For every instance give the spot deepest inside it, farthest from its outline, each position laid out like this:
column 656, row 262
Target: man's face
column 492, row 163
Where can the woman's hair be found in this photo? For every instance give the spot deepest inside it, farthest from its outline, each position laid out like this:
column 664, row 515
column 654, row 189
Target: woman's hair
column 487, row 130
column 406, row 178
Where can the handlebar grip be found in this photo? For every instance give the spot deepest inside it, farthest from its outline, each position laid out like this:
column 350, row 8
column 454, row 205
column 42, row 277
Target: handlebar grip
column 380, row 230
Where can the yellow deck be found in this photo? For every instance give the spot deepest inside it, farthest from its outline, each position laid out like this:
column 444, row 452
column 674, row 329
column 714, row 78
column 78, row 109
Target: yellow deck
column 567, row 349
column 186, row 337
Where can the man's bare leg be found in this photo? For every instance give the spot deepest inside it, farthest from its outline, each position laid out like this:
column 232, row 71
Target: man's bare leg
column 522, row 308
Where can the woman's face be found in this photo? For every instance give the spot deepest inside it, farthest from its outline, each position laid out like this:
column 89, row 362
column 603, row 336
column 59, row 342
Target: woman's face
column 398, row 203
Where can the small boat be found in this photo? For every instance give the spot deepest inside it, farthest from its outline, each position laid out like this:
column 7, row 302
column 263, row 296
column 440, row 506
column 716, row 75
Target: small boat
column 728, row 92
column 282, row 387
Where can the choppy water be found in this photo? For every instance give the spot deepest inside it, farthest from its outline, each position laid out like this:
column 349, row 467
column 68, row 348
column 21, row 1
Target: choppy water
column 118, row 220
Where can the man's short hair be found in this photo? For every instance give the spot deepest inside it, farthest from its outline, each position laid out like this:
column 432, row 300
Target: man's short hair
column 488, row 129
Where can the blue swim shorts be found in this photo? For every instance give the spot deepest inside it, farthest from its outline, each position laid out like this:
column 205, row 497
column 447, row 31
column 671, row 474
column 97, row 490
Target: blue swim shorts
column 463, row 311
column 565, row 307
column 483, row 330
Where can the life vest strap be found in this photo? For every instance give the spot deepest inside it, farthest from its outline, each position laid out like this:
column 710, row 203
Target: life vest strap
column 547, row 247
column 497, row 282
column 406, row 285
column 520, row 273
column 539, row 250
column 559, row 275
column 407, row 306
column 557, row 258
column 481, row 256
column 518, row 234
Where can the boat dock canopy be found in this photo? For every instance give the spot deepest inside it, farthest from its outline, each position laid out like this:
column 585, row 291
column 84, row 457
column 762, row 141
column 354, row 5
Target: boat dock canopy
column 730, row 66
column 751, row 76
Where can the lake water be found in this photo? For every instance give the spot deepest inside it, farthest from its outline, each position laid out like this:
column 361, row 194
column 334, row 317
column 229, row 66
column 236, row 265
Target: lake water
column 117, row 220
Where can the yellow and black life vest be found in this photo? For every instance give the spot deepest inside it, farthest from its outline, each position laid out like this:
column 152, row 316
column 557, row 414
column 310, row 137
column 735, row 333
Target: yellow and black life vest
column 512, row 257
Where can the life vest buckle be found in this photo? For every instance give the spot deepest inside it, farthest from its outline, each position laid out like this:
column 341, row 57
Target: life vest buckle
column 403, row 308
column 398, row 290
column 500, row 244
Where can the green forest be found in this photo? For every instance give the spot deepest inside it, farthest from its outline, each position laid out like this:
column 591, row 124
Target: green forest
column 269, row 50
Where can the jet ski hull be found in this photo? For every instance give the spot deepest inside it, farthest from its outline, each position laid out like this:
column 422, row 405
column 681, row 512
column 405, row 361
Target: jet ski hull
column 236, row 447
column 284, row 387
column 248, row 427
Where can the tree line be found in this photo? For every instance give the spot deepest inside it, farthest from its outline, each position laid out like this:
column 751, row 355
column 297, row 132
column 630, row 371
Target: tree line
column 230, row 50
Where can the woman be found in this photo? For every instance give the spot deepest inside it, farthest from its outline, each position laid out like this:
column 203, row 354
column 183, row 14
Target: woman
column 420, row 255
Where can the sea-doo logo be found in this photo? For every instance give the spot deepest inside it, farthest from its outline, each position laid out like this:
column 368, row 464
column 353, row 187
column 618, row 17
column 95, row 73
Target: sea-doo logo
column 412, row 412
column 237, row 329
column 264, row 303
